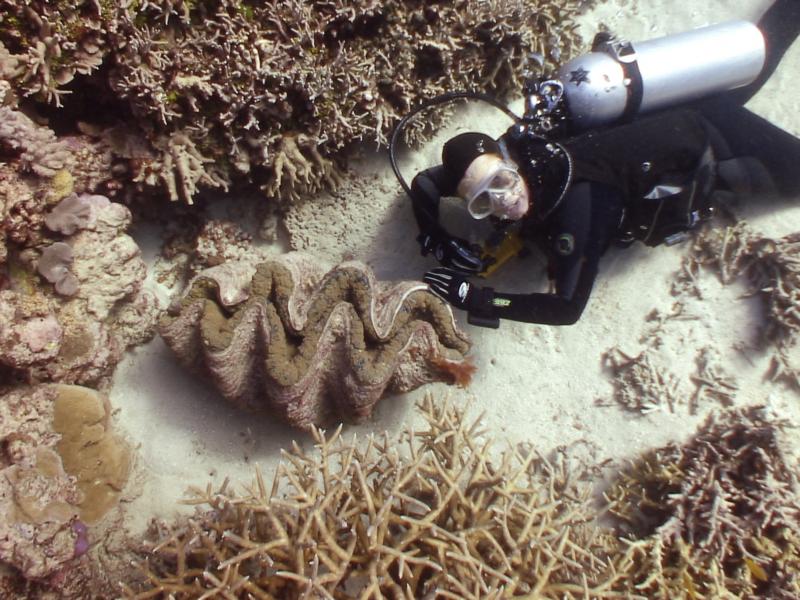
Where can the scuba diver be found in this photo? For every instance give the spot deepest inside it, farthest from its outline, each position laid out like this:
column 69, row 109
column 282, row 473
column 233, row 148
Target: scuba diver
column 582, row 171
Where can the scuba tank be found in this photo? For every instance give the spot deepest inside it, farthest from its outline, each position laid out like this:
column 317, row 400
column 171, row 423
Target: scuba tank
column 618, row 80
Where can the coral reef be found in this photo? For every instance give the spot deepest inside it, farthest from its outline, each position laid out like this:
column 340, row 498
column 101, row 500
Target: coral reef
column 219, row 242
column 38, row 170
column 61, row 471
column 99, row 270
column 432, row 517
column 268, row 92
column 772, row 269
column 718, row 517
column 310, row 347
column 43, row 45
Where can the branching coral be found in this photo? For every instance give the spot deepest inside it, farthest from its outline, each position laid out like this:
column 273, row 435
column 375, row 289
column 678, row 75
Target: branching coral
column 272, row 90
column 46, row 44
column 435, row 518
column 715, row 518
column 772, row 268
column 310, row 347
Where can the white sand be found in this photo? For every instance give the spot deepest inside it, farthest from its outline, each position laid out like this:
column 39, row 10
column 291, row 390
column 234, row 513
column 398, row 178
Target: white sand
column 537, row 384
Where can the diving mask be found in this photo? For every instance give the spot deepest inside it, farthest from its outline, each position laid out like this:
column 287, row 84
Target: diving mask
column 501, row 192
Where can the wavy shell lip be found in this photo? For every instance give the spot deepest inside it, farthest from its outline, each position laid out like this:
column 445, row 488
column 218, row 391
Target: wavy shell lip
column 308, row 346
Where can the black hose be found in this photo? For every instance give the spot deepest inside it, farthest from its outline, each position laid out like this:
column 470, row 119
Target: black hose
column 442, row 99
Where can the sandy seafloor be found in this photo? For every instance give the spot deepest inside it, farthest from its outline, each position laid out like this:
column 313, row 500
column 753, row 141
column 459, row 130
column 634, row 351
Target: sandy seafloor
column 538, row 384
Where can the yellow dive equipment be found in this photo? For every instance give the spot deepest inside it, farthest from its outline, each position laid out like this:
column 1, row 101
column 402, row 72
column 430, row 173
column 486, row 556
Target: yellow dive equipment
column 500, row 253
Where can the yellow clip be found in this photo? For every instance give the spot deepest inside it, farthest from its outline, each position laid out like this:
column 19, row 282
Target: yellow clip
column 502, row 252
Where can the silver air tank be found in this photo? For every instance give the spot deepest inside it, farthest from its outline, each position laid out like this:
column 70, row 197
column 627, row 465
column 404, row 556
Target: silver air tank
column 618, row 80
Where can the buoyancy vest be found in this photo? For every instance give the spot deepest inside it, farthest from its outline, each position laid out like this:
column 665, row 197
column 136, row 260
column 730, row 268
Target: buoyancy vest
column 662, row 166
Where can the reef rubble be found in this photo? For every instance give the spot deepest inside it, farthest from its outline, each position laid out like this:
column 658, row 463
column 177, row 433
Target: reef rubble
column 771, row 268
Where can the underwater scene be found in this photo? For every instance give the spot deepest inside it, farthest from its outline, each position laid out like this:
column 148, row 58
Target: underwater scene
column 421, row 299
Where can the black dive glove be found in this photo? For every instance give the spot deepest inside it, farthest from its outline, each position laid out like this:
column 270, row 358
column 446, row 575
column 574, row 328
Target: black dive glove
column 453, row 252
column 453, row 287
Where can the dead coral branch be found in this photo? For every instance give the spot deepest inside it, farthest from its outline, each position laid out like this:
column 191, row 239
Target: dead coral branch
column 718, row 517
column 772, row 269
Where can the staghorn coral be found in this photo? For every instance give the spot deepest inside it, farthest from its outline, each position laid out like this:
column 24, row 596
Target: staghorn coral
column 61, row 469
column 270, row 92
column 717, row 517
column 44, row 45
column 435, row 517
column 772, row 269
column 310, row 346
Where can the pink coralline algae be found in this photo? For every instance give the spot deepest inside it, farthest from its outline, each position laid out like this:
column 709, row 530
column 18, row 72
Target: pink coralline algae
column 62, row 470
column 38, row 499
column 99, row 308
column 30, row 333
column 309, row 346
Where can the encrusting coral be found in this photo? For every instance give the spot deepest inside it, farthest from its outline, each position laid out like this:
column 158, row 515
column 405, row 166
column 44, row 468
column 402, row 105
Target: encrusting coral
column 61, row 471
column 98, row 272
column 718, row 517
column 772, row 269
column 38, row 170
column 310, row 347
column 434, row 517
column 268, row 92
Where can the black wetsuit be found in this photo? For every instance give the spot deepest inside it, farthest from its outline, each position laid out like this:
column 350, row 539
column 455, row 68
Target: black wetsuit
column 575, row 217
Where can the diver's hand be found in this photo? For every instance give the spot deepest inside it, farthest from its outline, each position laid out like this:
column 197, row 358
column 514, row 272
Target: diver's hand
column 453, row 252
column 450, row 286
column 453, row 287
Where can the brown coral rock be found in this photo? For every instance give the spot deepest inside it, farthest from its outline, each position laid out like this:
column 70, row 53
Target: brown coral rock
column 60, row 468
column 311, row 346
column 99, row 460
